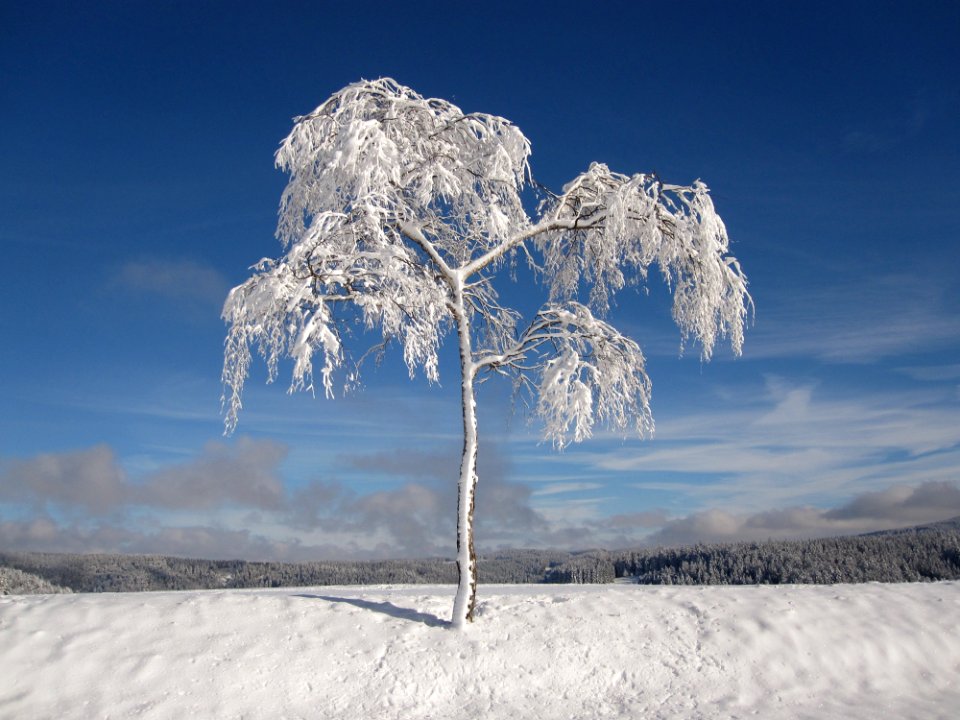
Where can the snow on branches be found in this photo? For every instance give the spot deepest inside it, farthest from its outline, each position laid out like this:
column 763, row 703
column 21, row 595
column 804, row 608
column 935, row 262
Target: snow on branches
column 400, row 211
column 381, row 153
column 579, row 369
column 617, row 224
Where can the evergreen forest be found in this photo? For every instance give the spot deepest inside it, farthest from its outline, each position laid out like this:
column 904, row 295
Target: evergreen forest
column 919, row 554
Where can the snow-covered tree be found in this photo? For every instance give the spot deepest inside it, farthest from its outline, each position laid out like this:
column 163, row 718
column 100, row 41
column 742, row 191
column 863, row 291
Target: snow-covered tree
column 398, row 216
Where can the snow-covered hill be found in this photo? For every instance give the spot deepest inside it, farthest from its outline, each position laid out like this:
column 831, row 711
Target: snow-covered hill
column 843, row 651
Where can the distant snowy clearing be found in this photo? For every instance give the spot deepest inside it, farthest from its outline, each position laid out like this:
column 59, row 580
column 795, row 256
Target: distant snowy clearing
column 843, row 651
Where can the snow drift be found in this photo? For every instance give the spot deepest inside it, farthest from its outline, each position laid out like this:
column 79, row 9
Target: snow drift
column 842, row 651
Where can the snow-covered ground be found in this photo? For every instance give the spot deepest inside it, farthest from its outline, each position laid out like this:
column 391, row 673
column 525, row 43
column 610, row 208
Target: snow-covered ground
column 843, row 651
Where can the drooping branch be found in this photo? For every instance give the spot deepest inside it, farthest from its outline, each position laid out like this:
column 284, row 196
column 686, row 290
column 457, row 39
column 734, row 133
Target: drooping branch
column 623, row 225
column 580, row 370
column 284, row 310
column 277, row 312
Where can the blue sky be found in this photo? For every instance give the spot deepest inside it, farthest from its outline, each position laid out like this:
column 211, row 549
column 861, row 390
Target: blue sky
column 137, row 187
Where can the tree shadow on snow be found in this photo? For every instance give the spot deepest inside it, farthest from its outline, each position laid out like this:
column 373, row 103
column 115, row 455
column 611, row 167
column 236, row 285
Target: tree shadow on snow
column 386, row 608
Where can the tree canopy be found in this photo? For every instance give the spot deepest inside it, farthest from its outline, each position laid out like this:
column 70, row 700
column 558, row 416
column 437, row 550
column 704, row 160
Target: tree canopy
column 400, row 212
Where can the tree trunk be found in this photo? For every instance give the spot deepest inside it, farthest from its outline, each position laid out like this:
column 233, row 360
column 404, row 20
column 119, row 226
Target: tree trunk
column 466, row 598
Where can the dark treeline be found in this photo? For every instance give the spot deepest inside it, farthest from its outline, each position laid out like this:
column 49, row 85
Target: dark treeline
column 918, row 554
column 922, row 554
column 930, row 552
column 134, row 573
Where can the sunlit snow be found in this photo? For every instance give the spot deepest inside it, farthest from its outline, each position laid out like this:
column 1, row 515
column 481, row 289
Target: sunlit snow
column 844, row 651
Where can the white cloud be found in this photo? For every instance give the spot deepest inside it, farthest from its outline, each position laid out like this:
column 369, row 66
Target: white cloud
column 894, row 507
column 790, row 444
column 43, row 534
column 86, row 501
column 92, row 482
column 88, row 481
column 180, row 281
column 245, row 474
column 766, row 463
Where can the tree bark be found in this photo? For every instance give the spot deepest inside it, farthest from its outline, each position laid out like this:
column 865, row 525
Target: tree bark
column 466, row 599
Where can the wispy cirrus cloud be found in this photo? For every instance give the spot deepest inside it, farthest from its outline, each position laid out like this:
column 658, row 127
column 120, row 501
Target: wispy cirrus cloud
column 932, row 373
column 914, row 118
column 562, row 488
column 184, row 282
column 795, row 443
column 875, row 317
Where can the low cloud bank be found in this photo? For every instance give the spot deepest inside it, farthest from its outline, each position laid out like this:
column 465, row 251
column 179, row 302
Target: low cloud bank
column 897, row 506
column 231, row 502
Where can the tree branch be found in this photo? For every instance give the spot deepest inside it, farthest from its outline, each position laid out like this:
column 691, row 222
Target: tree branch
column 415, row 234
column 478, row 264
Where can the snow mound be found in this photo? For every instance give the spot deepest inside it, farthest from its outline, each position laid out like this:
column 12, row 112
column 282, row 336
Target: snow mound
column 843, row 651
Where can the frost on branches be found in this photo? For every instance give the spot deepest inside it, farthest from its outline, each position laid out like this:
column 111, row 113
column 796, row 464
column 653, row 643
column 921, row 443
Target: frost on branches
column 400, row 212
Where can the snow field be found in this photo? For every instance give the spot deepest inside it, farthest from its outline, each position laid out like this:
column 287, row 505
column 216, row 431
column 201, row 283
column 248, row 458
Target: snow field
column 844, row 651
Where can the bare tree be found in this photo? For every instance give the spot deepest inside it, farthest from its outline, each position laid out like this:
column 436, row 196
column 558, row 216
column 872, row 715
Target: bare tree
column 399, row 213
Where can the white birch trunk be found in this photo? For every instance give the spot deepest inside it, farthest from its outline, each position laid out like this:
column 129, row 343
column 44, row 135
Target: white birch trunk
column 466, row 598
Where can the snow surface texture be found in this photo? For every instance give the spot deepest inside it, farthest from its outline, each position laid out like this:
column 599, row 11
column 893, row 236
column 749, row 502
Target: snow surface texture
column 843, row 651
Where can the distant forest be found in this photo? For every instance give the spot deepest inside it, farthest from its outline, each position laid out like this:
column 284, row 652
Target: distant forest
column 926, row 553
